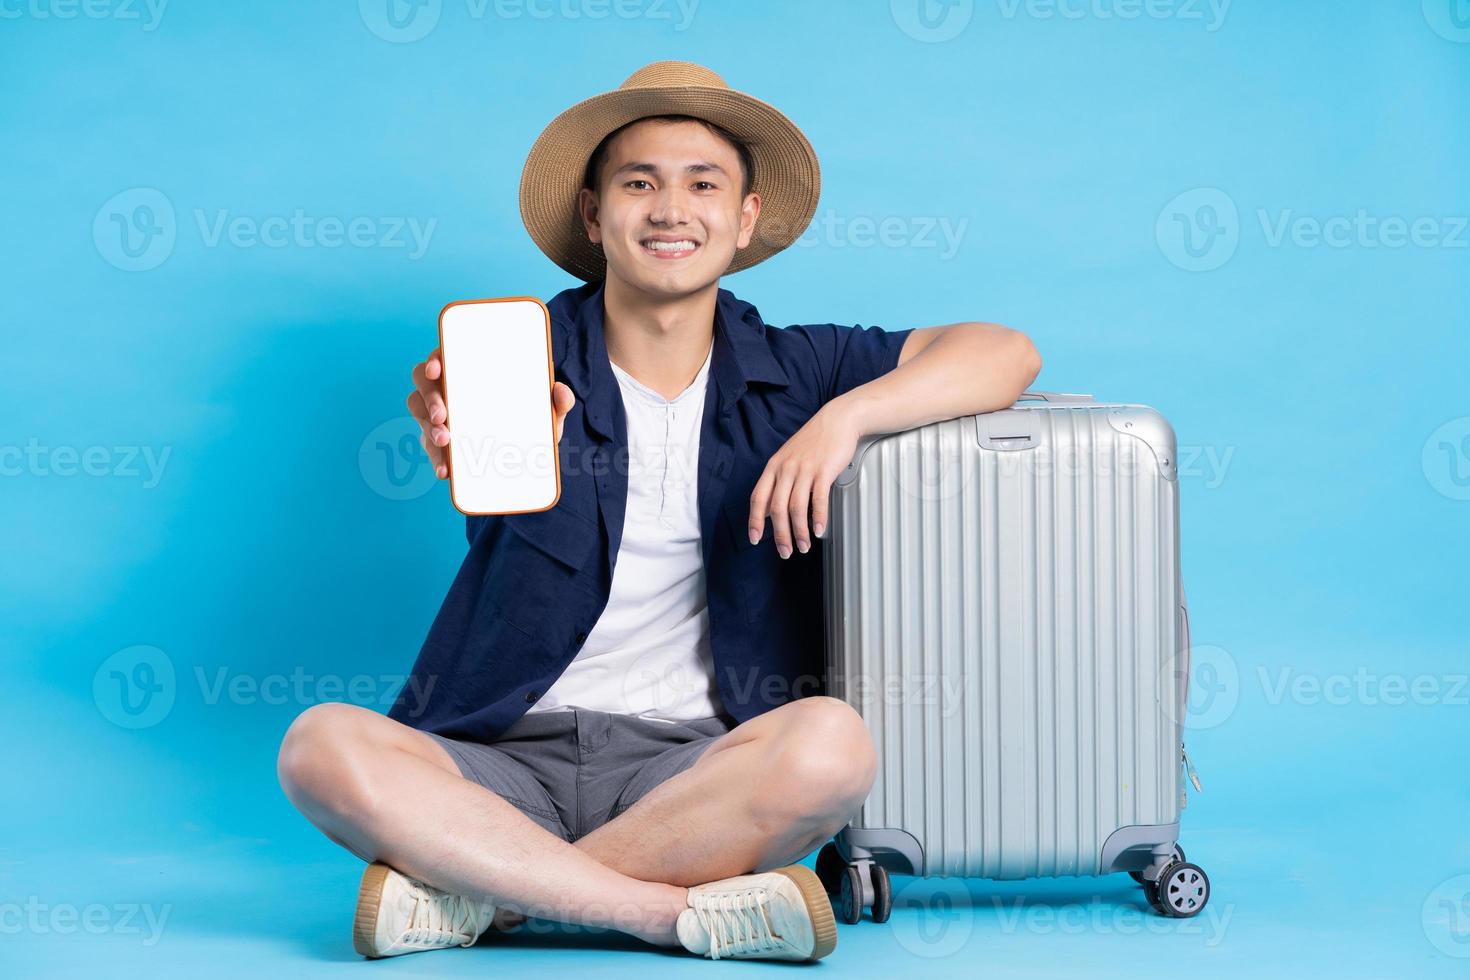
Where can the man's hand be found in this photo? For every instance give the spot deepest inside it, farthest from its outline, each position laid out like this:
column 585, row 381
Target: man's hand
column 800, row 473
column 426, row 403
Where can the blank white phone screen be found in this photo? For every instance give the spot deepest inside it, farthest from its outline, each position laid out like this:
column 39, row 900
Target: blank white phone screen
column 497, row 390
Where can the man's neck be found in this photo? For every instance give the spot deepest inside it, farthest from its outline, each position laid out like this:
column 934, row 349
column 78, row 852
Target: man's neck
column 661, row 343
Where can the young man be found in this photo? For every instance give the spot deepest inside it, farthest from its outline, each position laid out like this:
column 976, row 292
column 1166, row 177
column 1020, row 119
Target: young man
column 616, row 718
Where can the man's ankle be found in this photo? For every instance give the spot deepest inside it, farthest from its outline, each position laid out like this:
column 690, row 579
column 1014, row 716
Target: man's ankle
column 659, row 923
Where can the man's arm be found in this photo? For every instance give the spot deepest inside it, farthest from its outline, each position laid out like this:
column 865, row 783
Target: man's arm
column 942, row 372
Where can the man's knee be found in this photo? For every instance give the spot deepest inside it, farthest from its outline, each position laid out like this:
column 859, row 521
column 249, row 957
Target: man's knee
column 321, row 762
column 823, row 761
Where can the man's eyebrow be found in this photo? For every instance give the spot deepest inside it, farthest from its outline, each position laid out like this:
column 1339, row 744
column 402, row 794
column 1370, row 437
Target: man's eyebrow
column 641, row 167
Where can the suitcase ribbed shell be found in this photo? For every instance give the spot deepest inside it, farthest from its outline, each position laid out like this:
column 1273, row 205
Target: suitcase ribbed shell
column 1006, row 621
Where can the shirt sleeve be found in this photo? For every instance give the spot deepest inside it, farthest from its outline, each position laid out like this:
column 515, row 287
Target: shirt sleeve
column 847, row 357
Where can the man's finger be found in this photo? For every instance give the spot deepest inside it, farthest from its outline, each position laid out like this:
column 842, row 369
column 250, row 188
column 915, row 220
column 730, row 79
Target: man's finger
column 431, row 389
column 821, row 491
column 801, row 492
column 780, row 523
column 759, row 498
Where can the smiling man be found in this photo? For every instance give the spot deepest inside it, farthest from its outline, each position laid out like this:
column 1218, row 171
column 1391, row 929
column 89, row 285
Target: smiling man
column 626, row 727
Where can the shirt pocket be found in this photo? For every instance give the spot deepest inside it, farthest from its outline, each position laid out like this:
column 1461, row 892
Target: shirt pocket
column 541, row 561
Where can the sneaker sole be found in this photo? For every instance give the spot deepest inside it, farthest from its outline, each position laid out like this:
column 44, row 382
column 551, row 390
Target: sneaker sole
column 365, row 920
column 818, row 906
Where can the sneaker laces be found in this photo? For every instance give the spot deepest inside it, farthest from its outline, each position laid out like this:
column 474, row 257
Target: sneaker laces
column 737, row 923
column 439, row 918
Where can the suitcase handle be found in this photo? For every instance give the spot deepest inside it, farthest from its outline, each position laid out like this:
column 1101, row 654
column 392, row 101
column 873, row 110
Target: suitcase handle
column 1058, row 397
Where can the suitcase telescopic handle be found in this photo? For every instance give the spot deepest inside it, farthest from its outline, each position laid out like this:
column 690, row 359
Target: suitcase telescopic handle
column 1059, row 397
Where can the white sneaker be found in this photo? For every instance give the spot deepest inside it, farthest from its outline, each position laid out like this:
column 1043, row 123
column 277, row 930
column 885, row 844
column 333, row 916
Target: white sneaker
column 775, row 915
column 397, row 914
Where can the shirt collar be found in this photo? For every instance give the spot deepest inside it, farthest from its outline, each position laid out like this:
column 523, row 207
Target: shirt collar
column 741, row 354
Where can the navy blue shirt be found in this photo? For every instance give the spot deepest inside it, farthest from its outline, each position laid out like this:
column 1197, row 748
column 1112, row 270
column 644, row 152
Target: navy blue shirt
column 533, row 585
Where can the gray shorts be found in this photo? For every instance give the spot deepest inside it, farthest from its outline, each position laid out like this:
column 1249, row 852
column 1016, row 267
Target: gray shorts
column 573, row 770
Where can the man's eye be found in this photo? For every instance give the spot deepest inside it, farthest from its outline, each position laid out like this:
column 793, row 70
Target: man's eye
column 705, row 183
column 632, row 182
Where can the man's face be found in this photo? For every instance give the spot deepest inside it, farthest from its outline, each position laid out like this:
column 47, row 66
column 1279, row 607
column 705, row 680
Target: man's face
column 669, row 213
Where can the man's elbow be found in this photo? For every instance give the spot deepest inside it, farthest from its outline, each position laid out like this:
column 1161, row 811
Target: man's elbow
column 1022, row 361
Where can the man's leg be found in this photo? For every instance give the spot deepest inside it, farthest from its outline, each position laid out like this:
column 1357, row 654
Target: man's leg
column 763, row 795
column 390, row 793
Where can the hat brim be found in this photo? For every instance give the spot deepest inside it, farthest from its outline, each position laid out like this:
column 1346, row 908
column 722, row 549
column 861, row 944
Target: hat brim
column 787, row 176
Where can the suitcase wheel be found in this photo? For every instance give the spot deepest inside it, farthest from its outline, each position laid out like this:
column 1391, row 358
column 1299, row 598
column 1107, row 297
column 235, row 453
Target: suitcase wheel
column 1181, row 892
column 852, row 896
column 851, row 899
column 1138, row 875
column 882, row 894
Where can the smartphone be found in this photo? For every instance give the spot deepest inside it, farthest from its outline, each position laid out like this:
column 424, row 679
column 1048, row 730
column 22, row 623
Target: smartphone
column 496, row 355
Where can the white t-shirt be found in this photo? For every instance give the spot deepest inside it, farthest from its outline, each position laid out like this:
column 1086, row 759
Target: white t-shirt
column 649, row 653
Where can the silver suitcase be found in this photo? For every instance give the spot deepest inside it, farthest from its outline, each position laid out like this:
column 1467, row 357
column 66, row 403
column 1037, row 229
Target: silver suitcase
column 1004, row 609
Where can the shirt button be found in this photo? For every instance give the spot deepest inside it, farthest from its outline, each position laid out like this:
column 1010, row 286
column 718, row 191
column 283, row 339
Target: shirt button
column 581, row 638
column 532, row 695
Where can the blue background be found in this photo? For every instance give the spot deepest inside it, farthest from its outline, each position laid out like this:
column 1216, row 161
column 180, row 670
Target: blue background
column 1321, row 389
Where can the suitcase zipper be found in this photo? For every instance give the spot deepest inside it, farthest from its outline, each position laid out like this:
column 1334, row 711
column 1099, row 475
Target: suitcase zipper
column 1189, row 769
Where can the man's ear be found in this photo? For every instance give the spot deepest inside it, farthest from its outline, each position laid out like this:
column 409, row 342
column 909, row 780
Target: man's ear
column 750, row 210
column 587, row 207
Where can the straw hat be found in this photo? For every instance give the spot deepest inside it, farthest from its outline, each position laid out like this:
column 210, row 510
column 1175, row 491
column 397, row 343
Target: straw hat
column 786, row 172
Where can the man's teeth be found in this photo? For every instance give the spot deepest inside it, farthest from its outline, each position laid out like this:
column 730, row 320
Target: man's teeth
column 670, row 246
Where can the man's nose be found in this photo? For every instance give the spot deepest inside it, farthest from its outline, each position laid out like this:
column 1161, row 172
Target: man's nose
column 670, row 208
